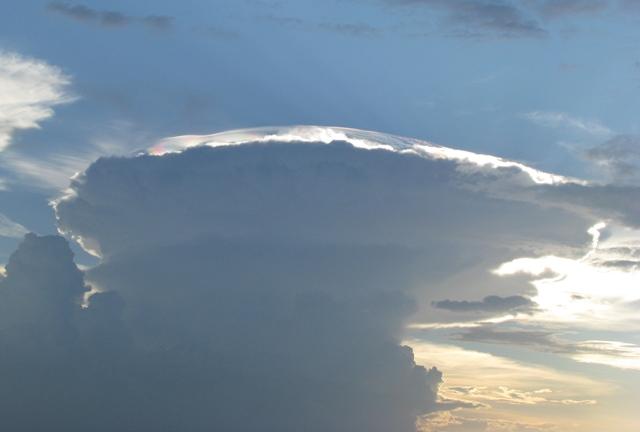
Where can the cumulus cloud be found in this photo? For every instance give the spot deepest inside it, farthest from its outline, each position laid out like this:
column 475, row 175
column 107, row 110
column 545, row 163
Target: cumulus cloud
column 108, row 18
column 30, row 89
column 490, row 304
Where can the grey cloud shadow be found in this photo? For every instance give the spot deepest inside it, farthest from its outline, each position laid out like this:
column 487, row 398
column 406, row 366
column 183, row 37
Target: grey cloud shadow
column 108, row 18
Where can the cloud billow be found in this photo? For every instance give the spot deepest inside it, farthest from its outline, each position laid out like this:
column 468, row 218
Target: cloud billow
column 244, row 304
column 264, row 286
column 237, row 343
column 269, row 284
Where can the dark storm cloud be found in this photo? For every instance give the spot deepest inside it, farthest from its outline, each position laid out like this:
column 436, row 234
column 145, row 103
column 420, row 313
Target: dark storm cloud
column 619, row 156
column 108, row 18
column 236, row 308
column 58, row 354
column 267, row 286
column 232, row 337
column 619, row 203
column 490, row 304
column 481, row 18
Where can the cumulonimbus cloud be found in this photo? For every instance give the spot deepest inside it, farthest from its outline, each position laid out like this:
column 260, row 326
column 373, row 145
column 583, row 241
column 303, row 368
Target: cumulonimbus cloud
column 260, row 286
column 288, row 268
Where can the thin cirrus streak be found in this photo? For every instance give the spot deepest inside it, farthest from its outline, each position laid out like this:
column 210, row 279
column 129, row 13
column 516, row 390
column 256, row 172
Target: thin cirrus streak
column 30, row 89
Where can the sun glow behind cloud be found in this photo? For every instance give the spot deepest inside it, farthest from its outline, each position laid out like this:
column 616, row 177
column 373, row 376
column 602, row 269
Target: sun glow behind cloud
column 473, row 376
column 500, row 393
column 617, row 354
column 594, row 291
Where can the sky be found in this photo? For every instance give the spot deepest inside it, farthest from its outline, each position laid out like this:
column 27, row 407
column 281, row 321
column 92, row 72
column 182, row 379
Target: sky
column 362, row 215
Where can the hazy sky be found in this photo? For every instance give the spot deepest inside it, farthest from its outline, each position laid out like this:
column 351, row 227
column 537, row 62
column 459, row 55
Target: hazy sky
column 518, row 281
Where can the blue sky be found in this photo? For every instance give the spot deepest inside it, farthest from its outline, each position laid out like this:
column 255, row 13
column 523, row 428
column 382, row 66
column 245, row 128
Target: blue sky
column 401, row 68
column 551, row 84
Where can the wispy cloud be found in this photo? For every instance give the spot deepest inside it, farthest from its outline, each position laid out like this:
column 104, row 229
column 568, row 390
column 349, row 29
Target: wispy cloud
column 616, row 354
column 350, row 29
column 30, row 89
column 560, row 8
column 108, row 18
column 54, row 170
column 611, row 353
column 345, row 28
column 486, row 378
column 9, row 228
column 491, row 304
column 481, row 18
column 554, row 119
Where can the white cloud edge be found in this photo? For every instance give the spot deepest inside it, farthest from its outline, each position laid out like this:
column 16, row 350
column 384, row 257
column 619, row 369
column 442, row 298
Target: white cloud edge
column 370, row 140
column 30, row 89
